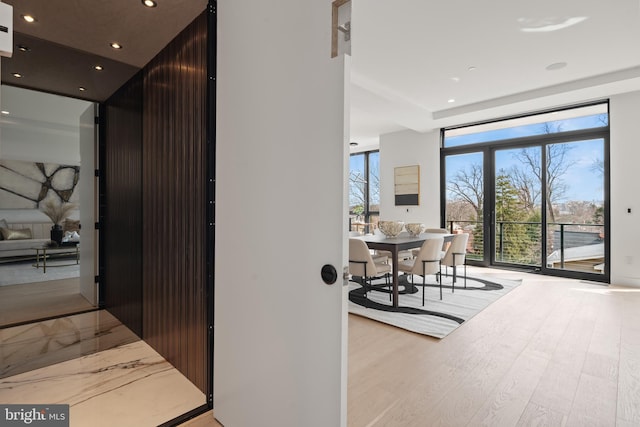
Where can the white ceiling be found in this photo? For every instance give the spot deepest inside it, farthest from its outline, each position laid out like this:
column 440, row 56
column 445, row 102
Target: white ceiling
column 410, row 57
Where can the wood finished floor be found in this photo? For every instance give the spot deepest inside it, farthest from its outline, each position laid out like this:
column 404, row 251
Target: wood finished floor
column 553, row 352
column 33, row 301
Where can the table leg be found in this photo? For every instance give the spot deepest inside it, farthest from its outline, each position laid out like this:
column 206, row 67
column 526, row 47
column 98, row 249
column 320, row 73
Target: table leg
column 394, row 265
column 44, row 260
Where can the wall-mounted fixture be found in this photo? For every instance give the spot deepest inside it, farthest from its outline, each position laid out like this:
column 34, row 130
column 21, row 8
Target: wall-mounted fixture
column 340, row 23
column 346, row 30
column 6, row 30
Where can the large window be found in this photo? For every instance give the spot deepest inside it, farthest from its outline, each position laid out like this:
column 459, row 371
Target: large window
column 364, row 191
column 533, row 191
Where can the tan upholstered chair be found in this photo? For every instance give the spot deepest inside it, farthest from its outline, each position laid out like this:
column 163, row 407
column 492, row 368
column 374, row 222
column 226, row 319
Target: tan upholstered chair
column 436, row 230
column 433, row 230
column 456, row 255
column 426, row 262
column 361, row 264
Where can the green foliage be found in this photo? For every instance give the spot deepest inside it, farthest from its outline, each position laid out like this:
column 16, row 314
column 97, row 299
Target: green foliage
column 516, row 239
column 598, row 215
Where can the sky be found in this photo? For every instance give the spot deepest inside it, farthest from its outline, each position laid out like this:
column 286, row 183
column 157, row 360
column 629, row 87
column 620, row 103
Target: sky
column 583, row 182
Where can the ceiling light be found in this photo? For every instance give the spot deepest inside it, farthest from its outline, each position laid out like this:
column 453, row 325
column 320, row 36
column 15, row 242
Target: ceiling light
column 456, row 79
column 81, row 89
column 30, row 19
column 116, row 45
column 23, row 48
column 5, row 112
column 98, row 68
column 451, row 100
column 471, row 68
column 16, row 75
column 548, row 24
column 353, row 144
column 556, row 66
column 149, row 3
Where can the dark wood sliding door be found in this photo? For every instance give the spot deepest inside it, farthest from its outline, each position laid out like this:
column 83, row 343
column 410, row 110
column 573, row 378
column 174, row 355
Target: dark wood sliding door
column 174, row 209
column 155, row 223
column 121, row 205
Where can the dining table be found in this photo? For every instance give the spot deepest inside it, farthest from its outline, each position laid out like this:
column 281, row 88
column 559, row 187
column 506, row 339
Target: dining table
column 402, row 242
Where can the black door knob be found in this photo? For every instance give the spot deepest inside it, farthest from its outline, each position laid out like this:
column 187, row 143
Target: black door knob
column 329, row 274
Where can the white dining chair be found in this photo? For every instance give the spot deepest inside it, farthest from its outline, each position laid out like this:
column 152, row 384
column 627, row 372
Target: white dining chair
column 426, row 262
column 456, row 255
column 445, row 245
column 362, row 264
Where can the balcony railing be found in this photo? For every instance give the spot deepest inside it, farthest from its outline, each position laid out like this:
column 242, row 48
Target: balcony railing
column 570, row 246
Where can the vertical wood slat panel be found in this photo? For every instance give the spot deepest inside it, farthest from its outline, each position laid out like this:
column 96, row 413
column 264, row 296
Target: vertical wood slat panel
column 173, row 200
column 122, row 224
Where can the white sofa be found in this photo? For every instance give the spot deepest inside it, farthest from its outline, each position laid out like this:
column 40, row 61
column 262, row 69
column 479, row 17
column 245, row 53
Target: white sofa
column 33, row 219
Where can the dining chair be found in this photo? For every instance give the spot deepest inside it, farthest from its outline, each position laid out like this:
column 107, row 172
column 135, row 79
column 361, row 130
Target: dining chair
column 362, row 264
column 426, row 262
column 456, row 255
column 436, row 230
column 445, row 245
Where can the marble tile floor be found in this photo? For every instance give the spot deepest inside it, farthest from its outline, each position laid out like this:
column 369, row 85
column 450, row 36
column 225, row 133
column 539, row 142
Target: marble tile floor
column 35, row 345
column 97, row 366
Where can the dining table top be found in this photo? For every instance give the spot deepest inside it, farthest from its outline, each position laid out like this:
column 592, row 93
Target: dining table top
column 403, row 238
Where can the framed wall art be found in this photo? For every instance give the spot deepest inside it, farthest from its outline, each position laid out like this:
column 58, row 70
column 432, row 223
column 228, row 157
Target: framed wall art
column 407, row 185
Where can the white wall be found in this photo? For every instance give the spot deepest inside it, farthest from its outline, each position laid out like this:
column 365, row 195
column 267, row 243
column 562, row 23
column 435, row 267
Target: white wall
column 40, row 127
column 31, row 144
column 408, row 148
column 625, row 175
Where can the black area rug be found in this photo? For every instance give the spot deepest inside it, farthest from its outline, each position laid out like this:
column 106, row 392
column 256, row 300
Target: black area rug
column 437, row 318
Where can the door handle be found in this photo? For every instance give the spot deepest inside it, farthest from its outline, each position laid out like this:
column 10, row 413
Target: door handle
column 329, row 274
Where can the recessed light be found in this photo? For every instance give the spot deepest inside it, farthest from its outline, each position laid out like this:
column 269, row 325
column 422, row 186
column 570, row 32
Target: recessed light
column 548, row 24
column 149, row 3
column 556, row 66
column 5, row 112
column 451, row 100
column 353, row 144
column 98, row 68
column 17, row 75
column 116, row 45
column 81, row 89
column 471, row 68
column 456, row 79
column 30, row 19
column 23, row 48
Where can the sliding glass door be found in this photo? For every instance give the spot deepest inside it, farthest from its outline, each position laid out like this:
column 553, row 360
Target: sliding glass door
column 575, row 211
column 532, row 194
column 516, row 215
column 465, row 195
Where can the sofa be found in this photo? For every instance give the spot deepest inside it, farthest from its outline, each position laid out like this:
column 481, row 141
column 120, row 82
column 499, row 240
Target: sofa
column 38, row 226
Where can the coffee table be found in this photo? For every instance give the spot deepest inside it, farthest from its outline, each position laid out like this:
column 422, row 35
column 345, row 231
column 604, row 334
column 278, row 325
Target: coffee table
column 41, row 254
